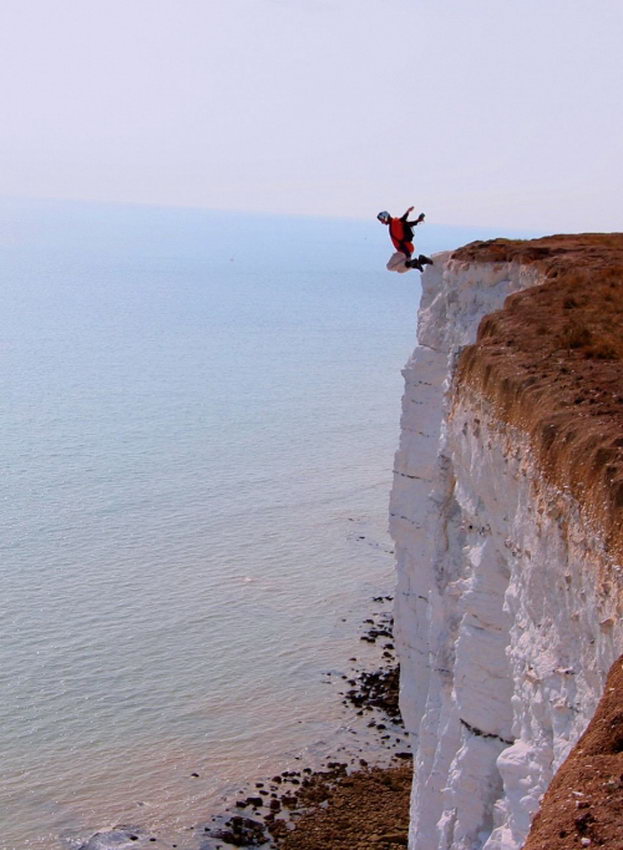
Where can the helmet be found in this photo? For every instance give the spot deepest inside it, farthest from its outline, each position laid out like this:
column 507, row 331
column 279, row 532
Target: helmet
column 384, row 217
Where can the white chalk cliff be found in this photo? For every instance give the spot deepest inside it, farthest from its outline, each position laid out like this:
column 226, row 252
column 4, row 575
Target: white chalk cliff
column 508, row 603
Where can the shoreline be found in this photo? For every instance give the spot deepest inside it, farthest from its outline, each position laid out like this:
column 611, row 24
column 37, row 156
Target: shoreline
column 346, row 803
column 357, row 793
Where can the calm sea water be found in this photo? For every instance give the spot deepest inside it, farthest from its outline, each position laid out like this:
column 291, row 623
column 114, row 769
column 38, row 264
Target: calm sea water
column 199, row 415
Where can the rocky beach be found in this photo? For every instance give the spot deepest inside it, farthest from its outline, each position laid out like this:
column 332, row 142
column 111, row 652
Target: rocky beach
column 347, row 802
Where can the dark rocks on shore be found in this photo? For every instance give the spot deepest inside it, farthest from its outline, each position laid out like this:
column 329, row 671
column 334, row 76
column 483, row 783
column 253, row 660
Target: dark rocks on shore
column 242, row 832
column 377, row 689
column 120, row 837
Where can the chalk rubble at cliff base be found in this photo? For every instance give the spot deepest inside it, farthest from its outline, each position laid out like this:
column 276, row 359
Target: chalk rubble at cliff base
column 505, row 512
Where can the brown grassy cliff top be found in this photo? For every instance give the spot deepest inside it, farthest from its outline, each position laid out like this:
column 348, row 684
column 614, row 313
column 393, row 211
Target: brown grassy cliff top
column 551, row 362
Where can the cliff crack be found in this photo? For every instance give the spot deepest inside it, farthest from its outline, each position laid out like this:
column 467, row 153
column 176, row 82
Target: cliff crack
column 412, row 477
column 405, row 518
column 475, row 731
column 430, row 348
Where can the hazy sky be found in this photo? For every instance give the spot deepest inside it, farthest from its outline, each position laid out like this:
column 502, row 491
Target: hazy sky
column 487, row 112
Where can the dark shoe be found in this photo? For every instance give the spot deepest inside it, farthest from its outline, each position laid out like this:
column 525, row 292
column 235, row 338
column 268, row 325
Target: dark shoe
column 425, row 261
column 414, row 264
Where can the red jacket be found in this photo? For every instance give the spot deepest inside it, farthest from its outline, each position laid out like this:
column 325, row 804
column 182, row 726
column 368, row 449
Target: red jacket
column 401, row 234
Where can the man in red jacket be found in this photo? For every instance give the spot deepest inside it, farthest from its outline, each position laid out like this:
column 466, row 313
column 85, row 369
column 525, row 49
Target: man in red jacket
column 401, row 234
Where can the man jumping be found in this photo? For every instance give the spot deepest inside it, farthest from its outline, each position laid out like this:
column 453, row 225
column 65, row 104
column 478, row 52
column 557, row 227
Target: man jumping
column 401, row 234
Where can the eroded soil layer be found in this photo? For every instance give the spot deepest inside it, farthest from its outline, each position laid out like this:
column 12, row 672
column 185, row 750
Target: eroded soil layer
column 583, row 806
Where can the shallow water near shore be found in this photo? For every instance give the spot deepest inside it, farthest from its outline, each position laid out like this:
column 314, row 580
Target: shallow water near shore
column 200, row 413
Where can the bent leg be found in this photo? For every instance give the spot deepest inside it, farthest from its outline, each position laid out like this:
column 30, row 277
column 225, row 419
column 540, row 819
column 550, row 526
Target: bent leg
column 406, row 248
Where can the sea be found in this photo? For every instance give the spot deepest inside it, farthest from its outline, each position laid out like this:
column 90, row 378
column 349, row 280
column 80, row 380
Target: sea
column 199, row 415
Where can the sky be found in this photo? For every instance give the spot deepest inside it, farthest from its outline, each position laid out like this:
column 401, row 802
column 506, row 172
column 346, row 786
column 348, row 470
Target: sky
column 478, row 112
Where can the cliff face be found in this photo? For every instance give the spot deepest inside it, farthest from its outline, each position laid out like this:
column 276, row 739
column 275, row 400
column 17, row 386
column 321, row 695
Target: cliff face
column 505, row 513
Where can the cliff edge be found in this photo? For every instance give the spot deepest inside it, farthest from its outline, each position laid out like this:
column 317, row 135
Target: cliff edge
column 506, row 515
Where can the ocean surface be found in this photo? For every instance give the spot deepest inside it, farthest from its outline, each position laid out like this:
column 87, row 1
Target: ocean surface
column 199, row 415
